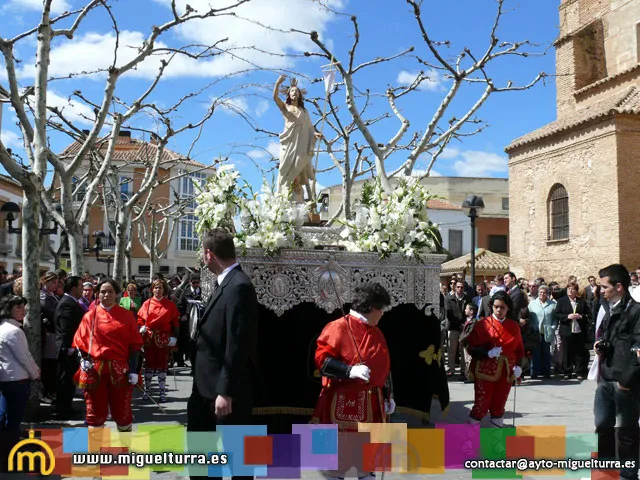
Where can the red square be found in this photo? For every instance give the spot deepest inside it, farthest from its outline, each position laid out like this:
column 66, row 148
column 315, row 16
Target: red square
column 521, row 447
column 258, row 450
column 376, row 457
column 112, row 470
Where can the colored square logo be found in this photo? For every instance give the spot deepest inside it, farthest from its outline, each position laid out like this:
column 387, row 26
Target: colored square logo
column 258, row 450
column 376, row 457
column 314, row 461
column 324, row 441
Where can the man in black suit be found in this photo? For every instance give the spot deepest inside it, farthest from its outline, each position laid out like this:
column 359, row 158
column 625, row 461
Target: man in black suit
column 67, row 317
column 226, row 343
column 517, row 297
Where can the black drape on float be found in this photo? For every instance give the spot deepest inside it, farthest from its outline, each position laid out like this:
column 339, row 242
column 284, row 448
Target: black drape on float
column 289, row 383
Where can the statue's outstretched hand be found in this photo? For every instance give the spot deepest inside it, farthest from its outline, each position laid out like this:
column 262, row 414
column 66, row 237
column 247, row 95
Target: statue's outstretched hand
column 281, row 79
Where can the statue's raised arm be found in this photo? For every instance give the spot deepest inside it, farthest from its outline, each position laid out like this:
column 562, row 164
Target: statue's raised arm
column 297, row 142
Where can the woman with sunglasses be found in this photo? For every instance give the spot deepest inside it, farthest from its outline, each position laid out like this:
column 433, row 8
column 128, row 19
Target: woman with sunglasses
column 496, row 348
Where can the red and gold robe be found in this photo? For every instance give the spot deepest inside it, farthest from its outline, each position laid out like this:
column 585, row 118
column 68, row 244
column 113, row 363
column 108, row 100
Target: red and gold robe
column 115, row 338
column 347, row 402
column 493, row 376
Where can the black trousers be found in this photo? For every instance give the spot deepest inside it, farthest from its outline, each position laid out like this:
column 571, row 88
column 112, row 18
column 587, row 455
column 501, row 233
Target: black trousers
column 577, row 355
column 201, row 418
column 67, row 367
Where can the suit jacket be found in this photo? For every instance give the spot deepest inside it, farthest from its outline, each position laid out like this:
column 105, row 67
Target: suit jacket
column 519, row 302
column 564, row 309
column 455, row 312
column 227, row 341
column 484, row 310
column 66, row 318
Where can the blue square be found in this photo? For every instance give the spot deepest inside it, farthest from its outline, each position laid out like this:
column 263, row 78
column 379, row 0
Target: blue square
column 233, row 445
column 75, row 440
column 324, row 441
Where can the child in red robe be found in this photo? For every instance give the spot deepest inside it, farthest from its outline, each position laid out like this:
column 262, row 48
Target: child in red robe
column 353, row 358
column 495, row 344
column 159, row 321
column 109, row 344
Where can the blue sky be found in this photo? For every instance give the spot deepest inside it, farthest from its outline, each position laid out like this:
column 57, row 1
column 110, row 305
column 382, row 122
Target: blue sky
column 386, row 27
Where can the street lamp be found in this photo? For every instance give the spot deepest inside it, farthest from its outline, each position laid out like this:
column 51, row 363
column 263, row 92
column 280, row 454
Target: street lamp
column 99, row 236
column 473, row 206
column 11, row 210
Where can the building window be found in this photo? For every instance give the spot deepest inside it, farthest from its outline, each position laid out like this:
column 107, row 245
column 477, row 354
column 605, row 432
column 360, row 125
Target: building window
column 455, row 243
column 505, row 203
column 498, row 244
column 558, row 208
column 187, row 190
column 79, row 191
column 142, row 269
column 187, row 236
column 126, row 188
column 590, row 63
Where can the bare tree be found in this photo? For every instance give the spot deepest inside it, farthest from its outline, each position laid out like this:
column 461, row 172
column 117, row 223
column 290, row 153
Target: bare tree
column 35, row 119
column 158, row 227
column 364, row 154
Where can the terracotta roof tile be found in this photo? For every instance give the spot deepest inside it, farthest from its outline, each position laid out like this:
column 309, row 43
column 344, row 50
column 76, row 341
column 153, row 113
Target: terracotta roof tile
column 487, row 262
column 133, row 150
column 439, row 204
column 628, row 102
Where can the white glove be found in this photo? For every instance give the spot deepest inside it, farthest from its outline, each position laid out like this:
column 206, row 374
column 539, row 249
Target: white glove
column 360, row 371
column 389, row 406
column 133, row 378
column 173, row 341
column 142, row 330
column 86, row 365
column 517, row 371
column 495, row 352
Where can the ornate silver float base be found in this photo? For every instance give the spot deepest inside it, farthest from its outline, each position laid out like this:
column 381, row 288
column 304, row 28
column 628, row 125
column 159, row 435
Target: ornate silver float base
column 328, row 277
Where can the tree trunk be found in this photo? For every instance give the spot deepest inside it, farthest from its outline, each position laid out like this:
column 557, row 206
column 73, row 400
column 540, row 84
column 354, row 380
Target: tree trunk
column 346, row 196
column 153, row 234
column 30, row 270
column 76, row 253
column 122, row 228
column 127, row 264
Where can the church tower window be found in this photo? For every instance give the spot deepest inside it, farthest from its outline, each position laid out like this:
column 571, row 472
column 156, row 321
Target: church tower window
column 558, row 208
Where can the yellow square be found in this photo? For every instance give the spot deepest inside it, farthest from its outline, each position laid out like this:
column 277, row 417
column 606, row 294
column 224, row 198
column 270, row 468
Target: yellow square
column 425, row 451
column 393, row 433
column 550, row 444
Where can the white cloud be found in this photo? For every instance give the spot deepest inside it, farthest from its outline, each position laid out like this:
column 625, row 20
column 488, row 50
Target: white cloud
column 421, row 171
column 262, row 107
column 72, row 110
column 11, row 139
column 449, row 153
column 432, row 83
column 236, row 104
column 57, row 6
column 272, row 149
column 475, row 163
column 94, row 51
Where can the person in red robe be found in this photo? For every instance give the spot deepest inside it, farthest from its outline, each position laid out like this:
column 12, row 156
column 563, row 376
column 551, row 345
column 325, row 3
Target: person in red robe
column 159, row 321
column 353, row 358
column 496, row 348
column 109, row 344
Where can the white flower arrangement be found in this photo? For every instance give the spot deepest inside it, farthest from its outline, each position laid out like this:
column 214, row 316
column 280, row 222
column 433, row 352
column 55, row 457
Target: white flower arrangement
column 269, row 220
column 218, row 200
column 395, row 222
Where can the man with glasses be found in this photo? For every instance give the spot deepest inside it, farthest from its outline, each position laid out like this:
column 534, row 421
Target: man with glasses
column 455, row 320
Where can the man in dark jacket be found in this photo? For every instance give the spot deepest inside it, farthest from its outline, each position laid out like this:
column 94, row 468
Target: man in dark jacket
column 67, row 317
column 617, row 398
column 224, row 383
column 455, row 304
column 517, row 297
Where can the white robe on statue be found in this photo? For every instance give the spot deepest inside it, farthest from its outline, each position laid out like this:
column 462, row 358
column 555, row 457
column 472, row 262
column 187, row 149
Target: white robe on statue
column 297, row 142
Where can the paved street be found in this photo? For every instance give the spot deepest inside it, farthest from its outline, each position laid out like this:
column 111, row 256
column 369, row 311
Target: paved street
column 539, row 402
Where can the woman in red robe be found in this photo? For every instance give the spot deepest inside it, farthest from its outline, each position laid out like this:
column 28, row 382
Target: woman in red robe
column 353, row 358
column 496, row 348
column 109, row 344
column 159, row 320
